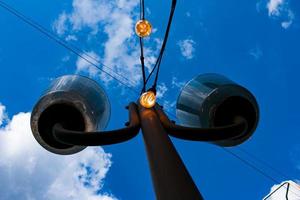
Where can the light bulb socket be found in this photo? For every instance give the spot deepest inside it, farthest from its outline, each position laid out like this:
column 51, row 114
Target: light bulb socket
column 153, row 89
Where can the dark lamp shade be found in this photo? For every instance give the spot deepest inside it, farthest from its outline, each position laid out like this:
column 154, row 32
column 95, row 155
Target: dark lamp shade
column 76, row 102
column 212, row 100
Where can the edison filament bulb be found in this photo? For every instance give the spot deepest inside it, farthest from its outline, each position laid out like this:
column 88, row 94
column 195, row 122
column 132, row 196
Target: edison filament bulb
column 148, row 99
column 143, row 28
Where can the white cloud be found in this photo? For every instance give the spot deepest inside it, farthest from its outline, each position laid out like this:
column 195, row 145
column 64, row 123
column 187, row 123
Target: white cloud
column 286, row 24
column 169, row 105
column 28, row 171
column 274, row 7
column 3, row 115
column 176, row 83
column 71, row 38
column 161, row 90
column 279, row 9
column 115, row 19
column 280, row 194
column 256, row 53
column 83, row 65
column 60, row 24
column 187, row 48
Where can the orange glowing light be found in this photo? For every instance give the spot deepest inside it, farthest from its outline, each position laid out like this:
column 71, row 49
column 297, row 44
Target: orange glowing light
column 143, row 28
column 148, row 99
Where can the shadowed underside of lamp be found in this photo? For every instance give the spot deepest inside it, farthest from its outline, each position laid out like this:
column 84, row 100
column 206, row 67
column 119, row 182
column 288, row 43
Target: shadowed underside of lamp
column 77, row 103
column 212, row 100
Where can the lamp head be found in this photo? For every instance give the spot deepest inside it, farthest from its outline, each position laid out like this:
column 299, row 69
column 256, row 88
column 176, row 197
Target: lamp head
column 75, row 102
column 212, row 100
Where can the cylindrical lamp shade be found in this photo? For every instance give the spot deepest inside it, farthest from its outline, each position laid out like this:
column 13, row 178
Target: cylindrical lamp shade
column 212, row 100
column 77, row 103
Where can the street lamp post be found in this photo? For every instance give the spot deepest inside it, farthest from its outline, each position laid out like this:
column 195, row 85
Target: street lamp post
column 74, row 111
column 169, row 175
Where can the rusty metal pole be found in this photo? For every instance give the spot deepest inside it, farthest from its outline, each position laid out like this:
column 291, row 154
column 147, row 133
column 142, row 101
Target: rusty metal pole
column 170, row 177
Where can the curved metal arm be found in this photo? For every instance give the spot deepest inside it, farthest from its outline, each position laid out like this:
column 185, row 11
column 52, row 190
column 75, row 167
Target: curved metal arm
column 203, row 134
column 102, row 137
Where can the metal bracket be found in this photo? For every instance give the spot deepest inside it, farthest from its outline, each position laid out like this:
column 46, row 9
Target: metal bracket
column 203, row 134
column 100, row 138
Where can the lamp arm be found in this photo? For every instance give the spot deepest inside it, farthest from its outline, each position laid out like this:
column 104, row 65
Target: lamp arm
column 203, row 134
column 100, row 138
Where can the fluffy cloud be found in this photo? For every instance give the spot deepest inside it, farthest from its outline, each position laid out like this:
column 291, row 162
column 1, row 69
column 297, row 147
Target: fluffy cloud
column 279, row 9
column 187, row 48
column 28, row 171
column 281, row 192
column 274, row 7
column 115, row 19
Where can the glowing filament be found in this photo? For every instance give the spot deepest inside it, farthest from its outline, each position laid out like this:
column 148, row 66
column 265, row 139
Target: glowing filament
column 143, row 28
column 148, row 99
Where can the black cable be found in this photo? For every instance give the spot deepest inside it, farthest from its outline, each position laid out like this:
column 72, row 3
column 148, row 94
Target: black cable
column 251, row 165
column 142, row 59
column 255, row 158
column 143, row 9
column 263, row 162
column 143, row 65
column 255, row 168
column 64, row 44
column 158, row 61
column 153, row 69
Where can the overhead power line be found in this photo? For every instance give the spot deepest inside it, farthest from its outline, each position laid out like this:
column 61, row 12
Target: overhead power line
column 263, row 162
column 73, row 49
column 164, row 43
column 142, row 17
column 62, row 43
column 252, row 166
column 158, row 61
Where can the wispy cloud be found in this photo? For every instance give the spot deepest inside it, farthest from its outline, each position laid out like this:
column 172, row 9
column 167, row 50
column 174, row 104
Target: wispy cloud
column 279, row 10
column 161, row 90
column 187, row 48
column 256, row 53
column 176, row 83
column 289, row 21
column 28, row 171
column 83, row 66
column 169, row 105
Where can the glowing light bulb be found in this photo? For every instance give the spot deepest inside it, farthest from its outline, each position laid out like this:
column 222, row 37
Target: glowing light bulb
column 148, row 99
column 143, row 28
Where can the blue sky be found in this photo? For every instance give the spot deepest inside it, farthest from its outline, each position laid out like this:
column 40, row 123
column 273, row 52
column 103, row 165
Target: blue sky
column 254, row 43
